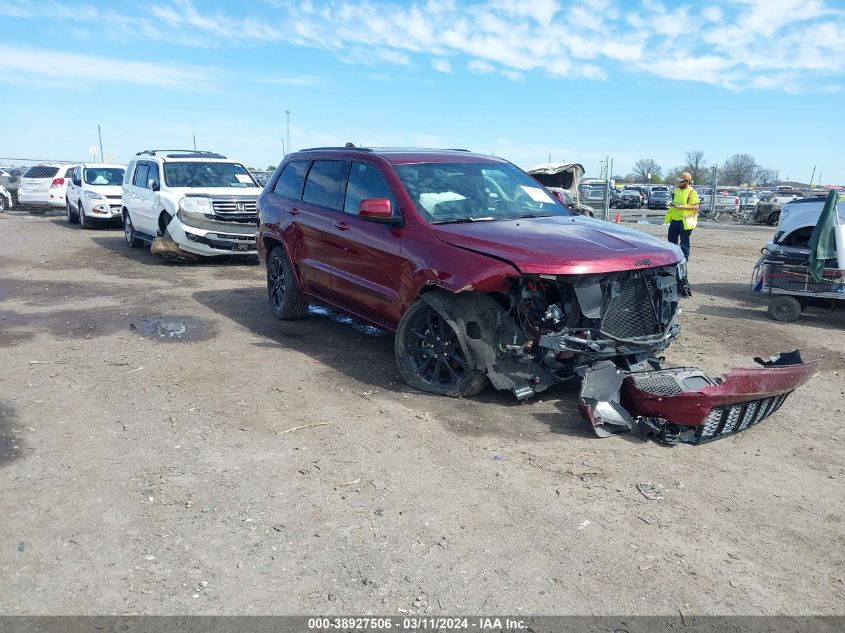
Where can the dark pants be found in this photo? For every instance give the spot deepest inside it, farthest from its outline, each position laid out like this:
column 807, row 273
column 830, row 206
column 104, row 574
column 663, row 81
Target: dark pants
column 677, row 232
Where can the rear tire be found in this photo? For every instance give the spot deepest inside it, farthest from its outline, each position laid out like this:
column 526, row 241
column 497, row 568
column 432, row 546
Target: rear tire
column 129, row 232
column 774, row 218
column 286, row 302
column 785, row 308
column 429, row 355
column 4, row 204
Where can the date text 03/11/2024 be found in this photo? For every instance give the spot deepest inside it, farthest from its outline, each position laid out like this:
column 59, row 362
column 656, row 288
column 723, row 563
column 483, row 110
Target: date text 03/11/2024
column 411, row 623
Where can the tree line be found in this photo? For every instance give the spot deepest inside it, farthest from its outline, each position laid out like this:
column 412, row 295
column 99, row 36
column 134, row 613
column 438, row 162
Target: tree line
column 739, row 169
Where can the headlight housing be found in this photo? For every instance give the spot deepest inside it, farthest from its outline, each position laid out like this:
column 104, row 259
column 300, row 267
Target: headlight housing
column 196, row 204
column 93, row 195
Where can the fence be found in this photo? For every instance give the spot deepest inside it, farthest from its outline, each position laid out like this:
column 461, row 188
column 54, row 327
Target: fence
column 11, row 171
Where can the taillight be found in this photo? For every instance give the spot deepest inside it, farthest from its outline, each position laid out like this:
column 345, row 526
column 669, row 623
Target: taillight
column 736, row 200
column 57, row 182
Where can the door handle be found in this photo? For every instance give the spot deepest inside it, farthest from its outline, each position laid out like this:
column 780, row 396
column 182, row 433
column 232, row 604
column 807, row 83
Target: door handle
column 294, row 211
column 343, row 226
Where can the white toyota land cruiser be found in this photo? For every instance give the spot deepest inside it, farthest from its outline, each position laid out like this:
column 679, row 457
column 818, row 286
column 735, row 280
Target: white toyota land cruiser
column 188, row 203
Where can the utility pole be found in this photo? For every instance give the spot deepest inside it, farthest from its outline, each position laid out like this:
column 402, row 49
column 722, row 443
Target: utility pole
column 287, row 117
column 813, row 175
column 713, row 191
column 100, row 134
column 195, row 142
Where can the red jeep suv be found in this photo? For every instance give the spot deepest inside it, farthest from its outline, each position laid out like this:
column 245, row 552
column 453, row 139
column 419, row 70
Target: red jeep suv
column 479, row 270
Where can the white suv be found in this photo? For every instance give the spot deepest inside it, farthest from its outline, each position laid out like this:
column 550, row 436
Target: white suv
column 188, row 203
column 94, row 192
column 44, row 186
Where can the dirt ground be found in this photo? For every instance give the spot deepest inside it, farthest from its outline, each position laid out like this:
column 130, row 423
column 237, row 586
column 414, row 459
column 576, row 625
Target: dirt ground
column 258, row 467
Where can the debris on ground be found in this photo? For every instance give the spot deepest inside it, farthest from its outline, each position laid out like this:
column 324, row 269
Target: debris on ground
column 651, row 491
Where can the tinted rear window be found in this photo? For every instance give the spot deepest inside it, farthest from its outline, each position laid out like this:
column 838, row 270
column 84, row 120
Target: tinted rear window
column 41, row 171
column 289, row 184
column 323, row 184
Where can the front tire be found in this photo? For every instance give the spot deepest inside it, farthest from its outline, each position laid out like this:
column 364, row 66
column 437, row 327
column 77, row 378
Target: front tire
column 430, row 357
column 129, row 232
column 84, row 223
column 286, row 302
column 72, row 218
column 774, row 218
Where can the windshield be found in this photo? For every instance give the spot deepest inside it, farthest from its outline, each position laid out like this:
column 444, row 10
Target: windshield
column 103, row 176
column 467, row 192
column 194, row 174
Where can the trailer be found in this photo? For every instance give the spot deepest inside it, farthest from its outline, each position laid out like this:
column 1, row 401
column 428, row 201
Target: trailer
column 790, row 286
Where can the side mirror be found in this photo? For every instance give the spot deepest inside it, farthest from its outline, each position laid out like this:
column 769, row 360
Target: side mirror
column 152, row 184
column 558, row 195
column 378, row 210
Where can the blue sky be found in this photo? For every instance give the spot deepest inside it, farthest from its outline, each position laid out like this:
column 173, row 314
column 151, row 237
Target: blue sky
column 579, row 80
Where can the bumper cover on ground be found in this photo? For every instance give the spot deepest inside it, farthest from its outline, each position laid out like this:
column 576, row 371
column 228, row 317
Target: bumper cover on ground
column 684, row 405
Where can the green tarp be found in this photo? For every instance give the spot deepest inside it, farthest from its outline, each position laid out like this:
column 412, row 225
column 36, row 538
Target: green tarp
column 823, row 240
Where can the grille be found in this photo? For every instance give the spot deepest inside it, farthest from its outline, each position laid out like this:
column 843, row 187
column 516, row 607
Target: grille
column 229, row 211
column 629, row 314
column 723, row 421
column 117, row 197
column 659, row 385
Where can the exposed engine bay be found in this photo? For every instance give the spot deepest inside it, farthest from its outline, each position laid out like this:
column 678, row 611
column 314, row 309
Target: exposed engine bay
column 551, row 328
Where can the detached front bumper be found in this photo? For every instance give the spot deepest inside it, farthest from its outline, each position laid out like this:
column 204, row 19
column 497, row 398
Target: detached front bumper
column 684, row 405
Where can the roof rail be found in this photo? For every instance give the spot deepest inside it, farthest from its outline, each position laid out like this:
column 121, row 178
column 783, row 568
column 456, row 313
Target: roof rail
column 348, row 146
column 179, row 152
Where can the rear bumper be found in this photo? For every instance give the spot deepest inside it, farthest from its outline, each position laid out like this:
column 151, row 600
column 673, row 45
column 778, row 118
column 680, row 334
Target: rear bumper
column 684, row 405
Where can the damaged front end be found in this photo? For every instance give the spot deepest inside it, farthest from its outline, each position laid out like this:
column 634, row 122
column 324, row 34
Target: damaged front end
column 684, row 405
column 550, row 328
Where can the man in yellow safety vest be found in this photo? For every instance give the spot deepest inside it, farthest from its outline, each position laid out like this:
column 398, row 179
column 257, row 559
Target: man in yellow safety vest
column 682, row 216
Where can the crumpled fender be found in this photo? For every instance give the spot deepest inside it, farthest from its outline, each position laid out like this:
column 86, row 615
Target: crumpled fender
column 683, row 405
column 480, row 323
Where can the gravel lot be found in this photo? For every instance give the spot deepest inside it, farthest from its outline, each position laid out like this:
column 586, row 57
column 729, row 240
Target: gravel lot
column 142, row 474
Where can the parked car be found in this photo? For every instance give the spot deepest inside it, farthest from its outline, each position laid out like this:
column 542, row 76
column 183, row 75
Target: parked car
column 798, row 219
column 43, row 187
column 9, row 180
column 725, row 202
column 629, row 199
column 200, row 204
column 261, row 176
column 767, row 210
column 562, row 179
column 659, row 200
column 95, row 193
column 6, row 201
column 748, row 200
column 469, row 260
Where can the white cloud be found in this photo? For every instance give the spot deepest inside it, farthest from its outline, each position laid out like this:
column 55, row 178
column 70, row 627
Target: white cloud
column 441, row 65
column 25, row 64
column 480, row 67
column 736, row 44
column 301, row 80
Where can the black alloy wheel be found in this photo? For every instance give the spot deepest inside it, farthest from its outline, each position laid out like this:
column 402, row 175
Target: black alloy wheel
column 286, row 301
column 430, row 356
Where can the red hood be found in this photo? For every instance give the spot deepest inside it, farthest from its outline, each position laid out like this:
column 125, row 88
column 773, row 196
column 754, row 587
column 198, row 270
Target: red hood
column 562, row 245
